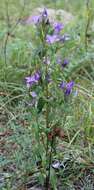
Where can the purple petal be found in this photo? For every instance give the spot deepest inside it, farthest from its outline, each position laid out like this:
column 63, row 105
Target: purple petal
column 65, row 62
column 33, row 19
column 37, row 76
column 50, row 39
column 58, row 27
column 62, row 85
column 70, row 84
column 36, row 19
column 33, row 94
column 30, row 80
column 69, row 87
column 44, row 13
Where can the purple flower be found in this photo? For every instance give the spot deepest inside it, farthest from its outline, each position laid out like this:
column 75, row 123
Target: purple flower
column 50, row 39
column 30, row 80
column 44, row 13
column 58, row 27
column 69, row 87
column 37, row 76
column 33, row 19
column 36, row 19
column 44, row 17
column 33, row 94
column 63, row 85
column 65, row 63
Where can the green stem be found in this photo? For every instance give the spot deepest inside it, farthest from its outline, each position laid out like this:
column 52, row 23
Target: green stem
column 48, row 157
column 47, row 126
column 47, row 110
column 49, row 168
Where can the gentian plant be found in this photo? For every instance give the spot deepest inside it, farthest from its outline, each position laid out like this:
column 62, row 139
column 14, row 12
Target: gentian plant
column 48, row 88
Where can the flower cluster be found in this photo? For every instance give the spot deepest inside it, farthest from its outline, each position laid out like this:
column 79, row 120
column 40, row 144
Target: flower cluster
column 50, row 38
column 55, row 37
column 57, row 27
column 42, row 18
column 30, row 80
column 67, row 87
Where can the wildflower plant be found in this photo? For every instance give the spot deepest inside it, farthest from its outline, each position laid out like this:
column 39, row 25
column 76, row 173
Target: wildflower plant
column 48, row 90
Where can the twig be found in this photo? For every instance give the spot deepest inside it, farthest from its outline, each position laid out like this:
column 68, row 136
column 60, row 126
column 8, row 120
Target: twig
column 10, row 29
column 88, row 23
